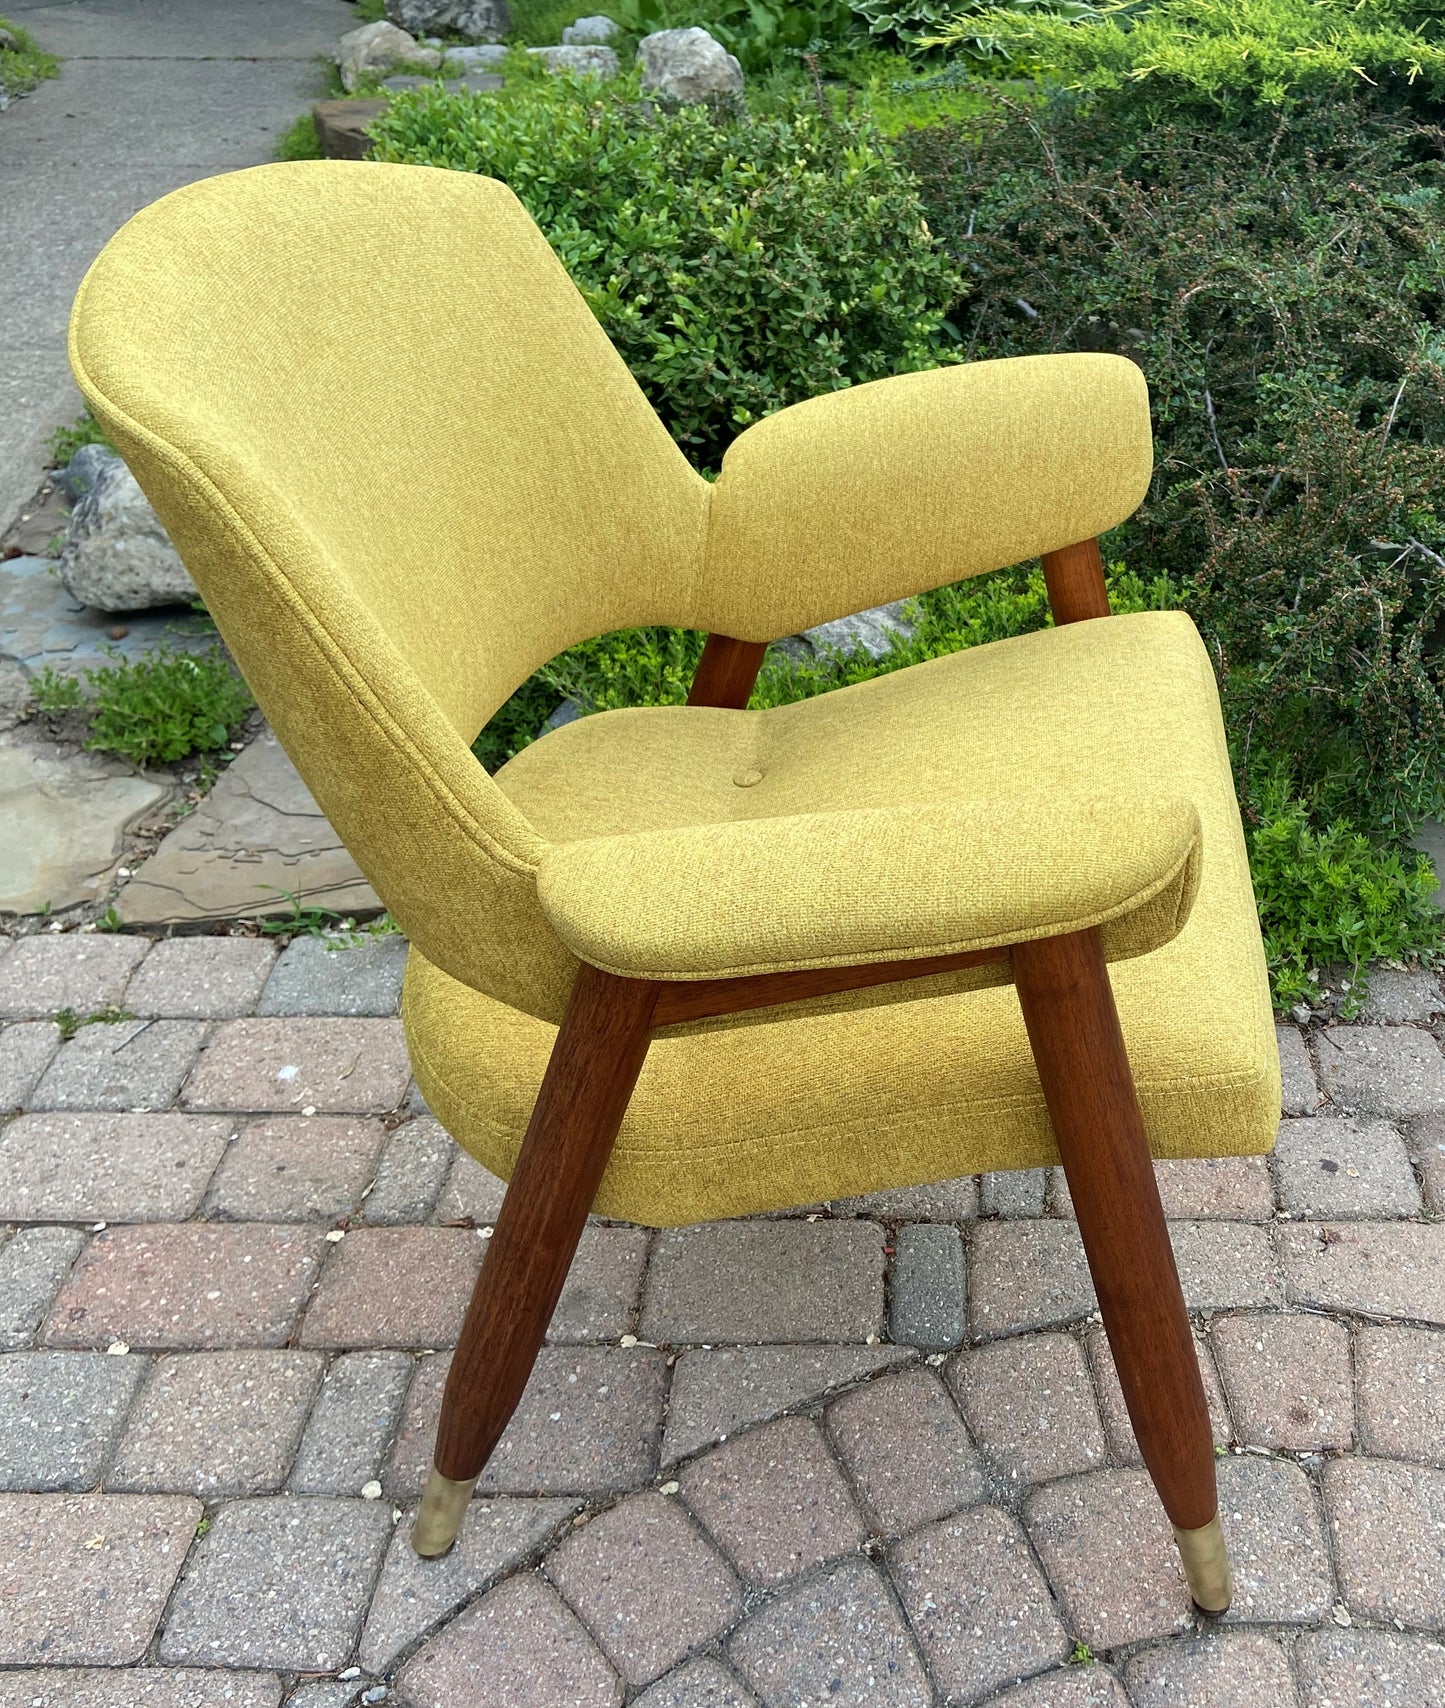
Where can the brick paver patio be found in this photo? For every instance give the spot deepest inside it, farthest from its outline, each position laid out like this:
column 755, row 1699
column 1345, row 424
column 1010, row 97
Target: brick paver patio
column 871, row 1453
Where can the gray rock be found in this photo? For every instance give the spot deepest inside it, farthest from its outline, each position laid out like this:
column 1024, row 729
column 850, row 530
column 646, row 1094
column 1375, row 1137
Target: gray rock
column 873, row 630
column 81, row 472
column 595, row 31
column 483, row 20
column 455, row 59
column 117, row 556
column 381, row 47
column 580, row 61
column 688, row 65
column 8, row 42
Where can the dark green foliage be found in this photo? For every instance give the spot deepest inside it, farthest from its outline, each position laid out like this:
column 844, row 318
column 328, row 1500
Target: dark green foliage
column 738, row 264
column 153, row 710
column 1280, row 285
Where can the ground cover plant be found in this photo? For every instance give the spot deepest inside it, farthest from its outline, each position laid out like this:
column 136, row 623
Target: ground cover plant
column 152, row 710
column 23, row 64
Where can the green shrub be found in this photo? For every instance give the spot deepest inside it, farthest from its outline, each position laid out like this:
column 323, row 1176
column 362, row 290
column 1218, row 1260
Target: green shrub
column 64, row 442
column 24, row 66
column 1230, row 53
column 738, row 264
column 299, row 141
column 153, row 710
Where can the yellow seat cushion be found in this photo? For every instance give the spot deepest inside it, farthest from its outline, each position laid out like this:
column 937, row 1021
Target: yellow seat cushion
column 857, row 1093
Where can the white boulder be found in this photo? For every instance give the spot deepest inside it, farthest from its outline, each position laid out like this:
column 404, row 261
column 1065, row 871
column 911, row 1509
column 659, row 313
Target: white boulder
column 583, row 61
column 596, row 31
column 379, row 48
column 117, row 556
column 482, row 20
column 688, row 65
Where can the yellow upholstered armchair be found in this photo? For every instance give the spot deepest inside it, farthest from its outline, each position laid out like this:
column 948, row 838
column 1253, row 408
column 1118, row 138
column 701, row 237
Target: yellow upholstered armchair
column 692, row 962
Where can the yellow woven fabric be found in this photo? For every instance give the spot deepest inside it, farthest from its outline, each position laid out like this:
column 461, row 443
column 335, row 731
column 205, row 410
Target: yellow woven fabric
column 908, row 483
column 405, row 468
column 852, row 1094
column 873, row 884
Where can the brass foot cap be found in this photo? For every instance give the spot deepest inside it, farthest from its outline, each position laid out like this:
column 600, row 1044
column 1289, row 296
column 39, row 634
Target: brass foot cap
column 443, row 1507
column 1206, row 1566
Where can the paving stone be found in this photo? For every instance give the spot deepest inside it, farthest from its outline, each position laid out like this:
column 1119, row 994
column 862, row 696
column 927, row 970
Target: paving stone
column 941, row 1201
column 413, row 1595
column 978, row 1605
column 1400, row 1375
column 201, row 978
column 1110, row 1556
column 1226, row 1265
column 315, row 976
column 1030, row 1405
column 1388, row 1523
column 1344, row 1167
column 1216, row 1188
column 1090, row 1686
column 238, row 1603
column 81, row 971
column 588, row 1423
column 518, row 1644
column 413, row 1167
column 127, row 1064
column 295, row 1168
column 750, row 1281
column 775, row 1500
column 328, row 1066
column 836, row 1638
column 908, row 1452
column 1288, row 1380
column 108, row 1167
column 186, row 1286
column 927, row 1306
column 1014, row 1194
column 1426, row 1138
column 1301, row 1093
column 718, row 1391
column 1118, row 1430
column 25, row 1051
column 647, row 1584
column 352, row 1423
column 1241, row 1670
column 61, row 1414
column 337, row 1692
column 33, row 1264
column 1276, row 1542
column 470, row 1190
column 703, row 1683
column 1395, row 1071
column 1027, row 1275
column 258, row 836
column 599, row 1298
column 1385, row 1269
column 139, row 1687
column 1399, row 997
column 394, row 1287
column 1371, row 1669
column 217, row 1424
column 84, row 1578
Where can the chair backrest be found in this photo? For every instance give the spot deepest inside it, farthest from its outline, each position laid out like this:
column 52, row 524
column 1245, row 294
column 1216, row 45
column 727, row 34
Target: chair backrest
column 405, row 467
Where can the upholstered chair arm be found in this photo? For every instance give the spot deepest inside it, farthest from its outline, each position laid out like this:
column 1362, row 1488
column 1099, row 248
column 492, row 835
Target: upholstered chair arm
column 873, row 884
column 884, row 490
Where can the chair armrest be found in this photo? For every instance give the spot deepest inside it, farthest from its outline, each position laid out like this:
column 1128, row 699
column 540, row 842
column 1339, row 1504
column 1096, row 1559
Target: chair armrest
column 878, row 883
column 885, row 490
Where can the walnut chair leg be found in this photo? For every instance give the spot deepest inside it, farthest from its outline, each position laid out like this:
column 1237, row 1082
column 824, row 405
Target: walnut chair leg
column 599, row 1052
column 1068, row 1007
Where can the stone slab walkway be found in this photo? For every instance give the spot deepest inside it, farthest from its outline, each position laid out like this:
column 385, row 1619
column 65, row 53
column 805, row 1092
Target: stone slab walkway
column 871, row 1453
column 152, row 94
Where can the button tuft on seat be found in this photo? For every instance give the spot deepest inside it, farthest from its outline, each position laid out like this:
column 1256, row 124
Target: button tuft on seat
column 746, row 779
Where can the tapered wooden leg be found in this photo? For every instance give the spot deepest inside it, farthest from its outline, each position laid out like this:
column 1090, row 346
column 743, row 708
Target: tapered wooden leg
column 599, row 1052
column 1068, row 1007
